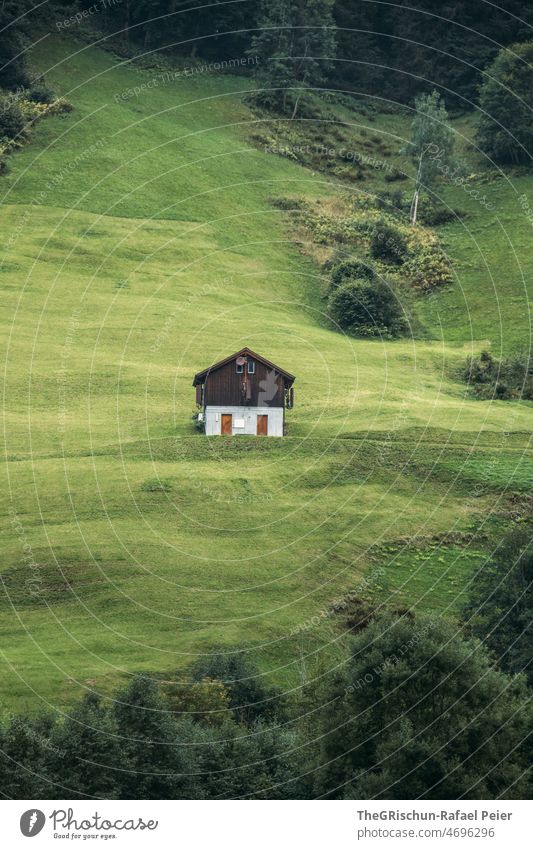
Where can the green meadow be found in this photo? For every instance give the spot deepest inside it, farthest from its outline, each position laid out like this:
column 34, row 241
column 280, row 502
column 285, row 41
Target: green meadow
column 140, row 244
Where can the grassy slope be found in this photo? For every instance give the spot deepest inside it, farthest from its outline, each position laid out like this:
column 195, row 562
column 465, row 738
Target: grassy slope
column 153, row 251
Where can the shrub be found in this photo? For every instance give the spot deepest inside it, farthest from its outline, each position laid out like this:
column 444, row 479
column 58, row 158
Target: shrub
column 388, row 244
column 428, row 269
column 393, row 202
column 506, row 379
column 287, row 204
column 351, row 269
column 40, row 94
column 394, row 176
column 12, row 120
column 60, row 106
column 433, row 214
column 481, row 369
column 249, row 697
column 365, row 307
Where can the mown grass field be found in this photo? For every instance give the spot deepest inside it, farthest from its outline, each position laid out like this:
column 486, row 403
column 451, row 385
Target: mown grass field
column 141, row 244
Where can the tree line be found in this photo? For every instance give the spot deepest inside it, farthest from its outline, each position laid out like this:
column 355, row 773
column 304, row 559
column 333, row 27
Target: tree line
column 422, row 708
column 474, row 54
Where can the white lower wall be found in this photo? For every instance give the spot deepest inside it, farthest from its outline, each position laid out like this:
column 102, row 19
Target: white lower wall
column 245, row 415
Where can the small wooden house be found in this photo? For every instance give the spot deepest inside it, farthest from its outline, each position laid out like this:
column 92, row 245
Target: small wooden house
column 244, row 394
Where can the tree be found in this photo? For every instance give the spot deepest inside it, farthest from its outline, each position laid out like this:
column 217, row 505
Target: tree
column 421, row 713
column 13, row 43
column 364, row 306
column 249, row 697
column 260, row 762
column 23, row 758
column 85, row 756
column 160, row 751
column 398, row 50
column 12, row 121
column 206, row 701
column 505, row 131
column 431, row 146
column 500, row 609
column 295, row 46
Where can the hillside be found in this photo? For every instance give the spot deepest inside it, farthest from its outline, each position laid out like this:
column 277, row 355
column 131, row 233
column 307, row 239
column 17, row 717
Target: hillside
column 140, row 246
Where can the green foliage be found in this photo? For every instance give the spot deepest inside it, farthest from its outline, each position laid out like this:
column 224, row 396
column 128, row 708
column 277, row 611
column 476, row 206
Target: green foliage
column 155, row 749
column 162, row 26
column 417, row 712
column 206, row 701
column 431, row 146
column 250, row 698
column 434, row 40
column 85, row 755
column 505, row 131
column 351, row 269
column 420, row 713
column 367, row 307
column 388, row 243
column 500, row 608
column 13, row 44
column 505, row 379
column 295, row 47
column 23, row 757
column 12, row 121
column 41, row 93
column 428, row 269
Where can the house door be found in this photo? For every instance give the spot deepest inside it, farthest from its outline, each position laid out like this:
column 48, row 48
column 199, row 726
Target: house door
column 227, row 424
column 262, row 425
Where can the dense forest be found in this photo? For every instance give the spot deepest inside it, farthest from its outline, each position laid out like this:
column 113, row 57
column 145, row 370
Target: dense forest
column 391, row 51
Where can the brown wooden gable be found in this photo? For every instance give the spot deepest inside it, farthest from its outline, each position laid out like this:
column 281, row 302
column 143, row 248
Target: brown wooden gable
column 244, row 352
column 222, row 384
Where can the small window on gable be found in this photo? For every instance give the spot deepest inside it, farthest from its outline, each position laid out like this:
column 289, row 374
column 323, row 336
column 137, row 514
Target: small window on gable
column 239, row 368
column 251, row 367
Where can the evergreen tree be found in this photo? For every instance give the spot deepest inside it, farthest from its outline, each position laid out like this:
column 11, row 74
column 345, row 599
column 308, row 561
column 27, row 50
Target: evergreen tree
column 295, row 47
column 421, row 713
column 505, row 131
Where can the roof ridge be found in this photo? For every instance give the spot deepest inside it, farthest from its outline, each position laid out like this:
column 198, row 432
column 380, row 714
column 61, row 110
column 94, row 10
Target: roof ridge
column 214, row 366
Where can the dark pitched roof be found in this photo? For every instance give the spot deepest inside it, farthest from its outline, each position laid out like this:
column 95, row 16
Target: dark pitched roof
column 244, row 352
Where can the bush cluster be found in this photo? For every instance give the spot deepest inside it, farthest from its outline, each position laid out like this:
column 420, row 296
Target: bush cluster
column 12, row 120
column 363, row 303
column 506, row 379
column 397, row 250
column 388, row 243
